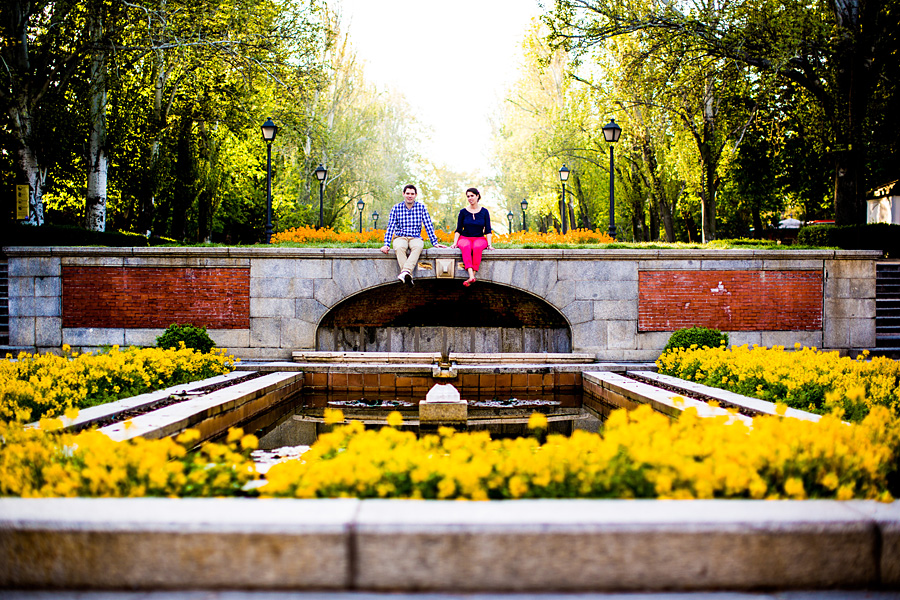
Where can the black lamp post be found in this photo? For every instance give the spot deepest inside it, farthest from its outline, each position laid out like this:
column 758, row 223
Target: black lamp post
column 360, row 205
column 321, row 173
column 524, row 208
column 509, row 218
column 611, row 133
column 269, row 130
column 564, row 176
column 374, row 219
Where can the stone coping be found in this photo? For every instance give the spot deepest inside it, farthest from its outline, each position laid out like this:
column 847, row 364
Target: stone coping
column 726, row 397
column 374, row 253
column 413, row 546
column 460, row 358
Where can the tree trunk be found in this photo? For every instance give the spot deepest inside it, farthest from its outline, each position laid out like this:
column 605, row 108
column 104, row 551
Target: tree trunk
column 98, row 159
column 27, row 161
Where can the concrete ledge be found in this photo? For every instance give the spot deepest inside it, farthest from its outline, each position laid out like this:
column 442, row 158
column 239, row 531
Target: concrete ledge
column 621, row 392
column 528, row 545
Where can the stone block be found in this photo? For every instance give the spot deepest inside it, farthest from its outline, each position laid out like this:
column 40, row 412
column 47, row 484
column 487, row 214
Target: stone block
column 265, row 332
column 146, row 338
column 536, row 276
column 308, row 310
column 849, row 308
column 48, row 286
column 170, row 543
column 327, row 292
column 21, row 306
column 652, row 340
column 579, row 311
column 808, row 264
column 561, row 293
column 430, row 338
column 862, row 333
column 617, row 310
column 36, row 266
column 21, row 331
column 443, row 412
column 850, row 269
column 325, row 340
column 297, row 334
column 230, row 338
column 621, row 334
column 273, row 307
column 598, row 270
column 375, row 339
column 403, row 339
column 21, row 287
column 836, row 334
column 512, row 340
column 789, row 338
column 591, row 334
column 92, row 261
column 731, row 265
column 502, row 272
column 462, row 340
column 93, row 336
column 606, row 290
column 574, row 545
column 487, row 339
column 669, row 265
column 748, row 338
column 48, row 332
column 47, row 306
column 281, row 287
column 300, row 268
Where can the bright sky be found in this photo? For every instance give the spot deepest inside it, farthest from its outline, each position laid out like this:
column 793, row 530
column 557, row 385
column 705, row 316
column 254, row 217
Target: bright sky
column 452, row 60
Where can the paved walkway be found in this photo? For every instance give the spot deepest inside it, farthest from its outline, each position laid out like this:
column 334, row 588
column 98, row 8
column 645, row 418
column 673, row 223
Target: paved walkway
column 238, row 595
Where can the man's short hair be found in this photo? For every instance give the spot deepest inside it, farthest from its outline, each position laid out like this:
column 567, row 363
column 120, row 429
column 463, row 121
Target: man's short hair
column 410, row 186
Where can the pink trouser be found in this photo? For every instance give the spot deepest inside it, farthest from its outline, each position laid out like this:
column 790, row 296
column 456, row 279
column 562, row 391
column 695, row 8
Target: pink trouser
column 471, row 248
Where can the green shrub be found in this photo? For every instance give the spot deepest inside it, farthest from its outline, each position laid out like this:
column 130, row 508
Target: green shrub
column 699, row 336
column 872, row 236
column 192, row 336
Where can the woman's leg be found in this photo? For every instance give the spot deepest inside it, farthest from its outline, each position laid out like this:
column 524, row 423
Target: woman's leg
column 478, row 245
column 465, row 246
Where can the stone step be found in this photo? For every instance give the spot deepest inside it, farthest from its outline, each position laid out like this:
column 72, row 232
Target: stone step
column 454, row 547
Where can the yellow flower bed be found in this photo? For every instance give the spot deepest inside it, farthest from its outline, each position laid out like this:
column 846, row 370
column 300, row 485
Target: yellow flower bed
column 807, row 379
column 309, row 235
column 39, row 463
column 39, row 385
column 640, row 454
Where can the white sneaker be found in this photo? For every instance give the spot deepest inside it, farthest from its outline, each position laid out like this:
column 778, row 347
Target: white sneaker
column 402, row 276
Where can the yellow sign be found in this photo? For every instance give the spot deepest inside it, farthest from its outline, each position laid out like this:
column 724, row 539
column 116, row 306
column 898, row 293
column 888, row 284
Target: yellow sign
column 23, row 195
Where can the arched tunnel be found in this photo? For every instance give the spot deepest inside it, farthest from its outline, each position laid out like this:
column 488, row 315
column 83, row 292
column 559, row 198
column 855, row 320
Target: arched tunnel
column 485, row 317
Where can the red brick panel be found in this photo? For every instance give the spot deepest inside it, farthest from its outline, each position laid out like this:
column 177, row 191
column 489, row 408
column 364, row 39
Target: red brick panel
column 730, row 300
column 136, row 297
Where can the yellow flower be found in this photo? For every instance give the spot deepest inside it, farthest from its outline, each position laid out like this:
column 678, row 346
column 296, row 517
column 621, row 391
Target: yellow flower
column 333, row 416
column 537, row 421
column 395, row 419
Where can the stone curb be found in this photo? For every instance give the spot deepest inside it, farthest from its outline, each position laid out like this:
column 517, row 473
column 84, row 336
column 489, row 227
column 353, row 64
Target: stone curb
column 396, row 545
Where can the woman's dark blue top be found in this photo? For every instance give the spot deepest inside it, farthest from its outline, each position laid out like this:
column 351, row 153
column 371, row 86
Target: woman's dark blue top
column 477, row 225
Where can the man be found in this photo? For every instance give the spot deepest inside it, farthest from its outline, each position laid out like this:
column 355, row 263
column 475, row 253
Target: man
column 405, row 221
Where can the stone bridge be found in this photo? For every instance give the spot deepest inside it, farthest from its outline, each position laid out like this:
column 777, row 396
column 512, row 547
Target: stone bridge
column 264, row 303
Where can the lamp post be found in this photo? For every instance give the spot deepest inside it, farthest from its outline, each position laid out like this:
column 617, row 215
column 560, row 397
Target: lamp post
column 564, row 176
column 524, row 208
column 509, row 218
column 321, row 173
column 375, row 219
column 269, row 130
column 360, row 205
column 611, row 133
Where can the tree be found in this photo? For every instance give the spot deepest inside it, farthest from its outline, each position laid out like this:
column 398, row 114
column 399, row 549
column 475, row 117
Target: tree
column 836, row 50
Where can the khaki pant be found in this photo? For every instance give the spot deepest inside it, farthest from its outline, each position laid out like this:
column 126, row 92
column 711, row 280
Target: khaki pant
column 414, row 246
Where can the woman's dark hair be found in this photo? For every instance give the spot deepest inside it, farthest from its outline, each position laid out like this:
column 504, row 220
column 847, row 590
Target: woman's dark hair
column 410, row 186
column 474, row 191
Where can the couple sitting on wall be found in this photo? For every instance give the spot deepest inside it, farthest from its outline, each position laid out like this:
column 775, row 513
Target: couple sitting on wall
column 472, row 235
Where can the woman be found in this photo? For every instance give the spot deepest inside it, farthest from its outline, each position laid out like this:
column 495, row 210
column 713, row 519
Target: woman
column 473, row 233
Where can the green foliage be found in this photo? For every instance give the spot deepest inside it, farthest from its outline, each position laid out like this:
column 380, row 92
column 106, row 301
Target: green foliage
column 67, row 235
column 873, row 236
column 192, row 336
column 699, row 336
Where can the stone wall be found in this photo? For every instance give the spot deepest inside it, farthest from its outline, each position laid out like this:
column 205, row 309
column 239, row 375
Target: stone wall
column 263, row 303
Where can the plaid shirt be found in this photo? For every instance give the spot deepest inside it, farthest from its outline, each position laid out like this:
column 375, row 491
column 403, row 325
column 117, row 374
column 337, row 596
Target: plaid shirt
column 405, row 222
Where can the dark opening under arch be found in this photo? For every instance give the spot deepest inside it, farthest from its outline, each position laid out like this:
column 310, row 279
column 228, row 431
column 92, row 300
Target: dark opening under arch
column 486, row 317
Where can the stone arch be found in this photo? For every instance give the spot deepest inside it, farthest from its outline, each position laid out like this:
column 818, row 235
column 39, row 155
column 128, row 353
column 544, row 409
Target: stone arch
column 487, row 317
